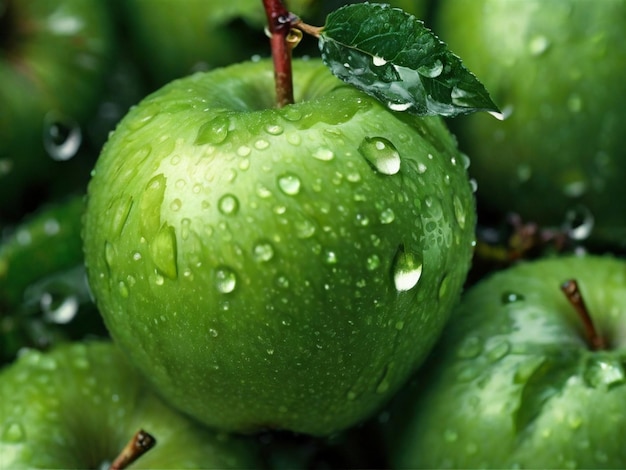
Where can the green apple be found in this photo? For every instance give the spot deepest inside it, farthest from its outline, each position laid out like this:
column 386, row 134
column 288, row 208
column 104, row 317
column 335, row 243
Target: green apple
column 555, row 69
column 515, row 383
column 277, row 268
column 173, row 38
column 53, row 59
column 78, row 405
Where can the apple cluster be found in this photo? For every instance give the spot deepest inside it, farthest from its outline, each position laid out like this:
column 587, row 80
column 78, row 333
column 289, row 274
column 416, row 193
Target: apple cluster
column 194, row 277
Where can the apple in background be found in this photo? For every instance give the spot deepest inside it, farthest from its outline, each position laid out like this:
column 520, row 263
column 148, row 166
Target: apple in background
column 555, row 69
column 173, row 38
column 79, row 404
column 277, row 268
column 53, row 59
column 517, row 380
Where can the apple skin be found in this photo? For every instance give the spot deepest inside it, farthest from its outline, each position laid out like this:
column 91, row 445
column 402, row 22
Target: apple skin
column 513, row 383
column 244, row 256
column 557, row 159
column 54, row 57
column 78, row 405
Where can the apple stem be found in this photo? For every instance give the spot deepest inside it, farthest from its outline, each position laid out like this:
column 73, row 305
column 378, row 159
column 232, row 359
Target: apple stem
column 280, row 23
column 139, row 444
column 594, row 339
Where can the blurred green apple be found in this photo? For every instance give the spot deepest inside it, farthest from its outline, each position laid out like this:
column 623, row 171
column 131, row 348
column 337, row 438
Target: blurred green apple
column 78, row 405
column 516, row 382
column 173, row 38
column 277, row 268
column 555, row 68
column 53, row 59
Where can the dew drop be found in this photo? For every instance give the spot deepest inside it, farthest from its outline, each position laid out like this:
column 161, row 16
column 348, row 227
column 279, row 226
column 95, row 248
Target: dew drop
column 470, row 348
column 372, row 262
column 378, row 61
column 289, row 184
column 381, row 154
column 213, row 132
column 261, row 144
column 122, row 288
column 538, row 45
column 62, row 136
column 324, row 154
column 13, row 433
column 387, row 216
column 459, row 211
column 225, row 280
column 150, row 205
column 228, row 204
column 60, row 312
column 432, row 70
column 109, row 254
column 330, row 257
column 274, row 129
column 579, row 223
column 120, row 214
column 175, row 205
column 263, row 251
column 213, row 333
column 304, row 228
column 407, row 270
column 163, row 250
column 604, row 373
column 510, row 297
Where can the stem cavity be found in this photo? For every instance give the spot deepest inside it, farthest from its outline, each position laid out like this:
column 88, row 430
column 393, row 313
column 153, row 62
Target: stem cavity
column 594, row 339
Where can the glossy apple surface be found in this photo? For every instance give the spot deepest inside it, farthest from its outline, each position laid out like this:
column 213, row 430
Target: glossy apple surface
column 514, row 384
column 78, row 405
column 554, row 68
column 277, row 268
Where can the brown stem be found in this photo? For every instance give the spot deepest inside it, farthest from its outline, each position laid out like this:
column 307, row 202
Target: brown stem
column 140, row 443
column 594, row 339
column 280, row 22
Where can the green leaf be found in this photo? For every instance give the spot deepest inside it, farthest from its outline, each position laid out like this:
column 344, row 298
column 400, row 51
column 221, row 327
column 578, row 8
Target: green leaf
column 392, row 56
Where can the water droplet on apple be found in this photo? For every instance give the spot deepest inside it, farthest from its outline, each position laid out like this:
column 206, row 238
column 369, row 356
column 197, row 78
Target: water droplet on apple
column 387, row 216
column 109, row 254
column 228, row 204
column 225, row 280
column 324, row 154
column 330, row 257
column 470, row 348
column 274, row 129
column 289, row 184
column 122, row 288
column 163, row 250
column 213, row 333
column 175, row 205
column 304, row 228
column 261, row 144
column 381, row 154
column 497, row 352
column 213, row 132
column 538, row 45
column 62, row 136
column 604, row 373
column 579, row 223
column 150, row 204
column 263, row 251
column 459, row 211
column 432, row 70
column 60, row 311
column 442, row 292
column 510, row 297
column 372, row 262
column 407, row 269
column 13, row 433
column 120, row 214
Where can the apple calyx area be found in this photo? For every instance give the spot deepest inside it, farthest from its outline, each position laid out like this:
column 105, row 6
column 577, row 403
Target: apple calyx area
column 594, row 339
column 285, row 32
column 138, row 445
